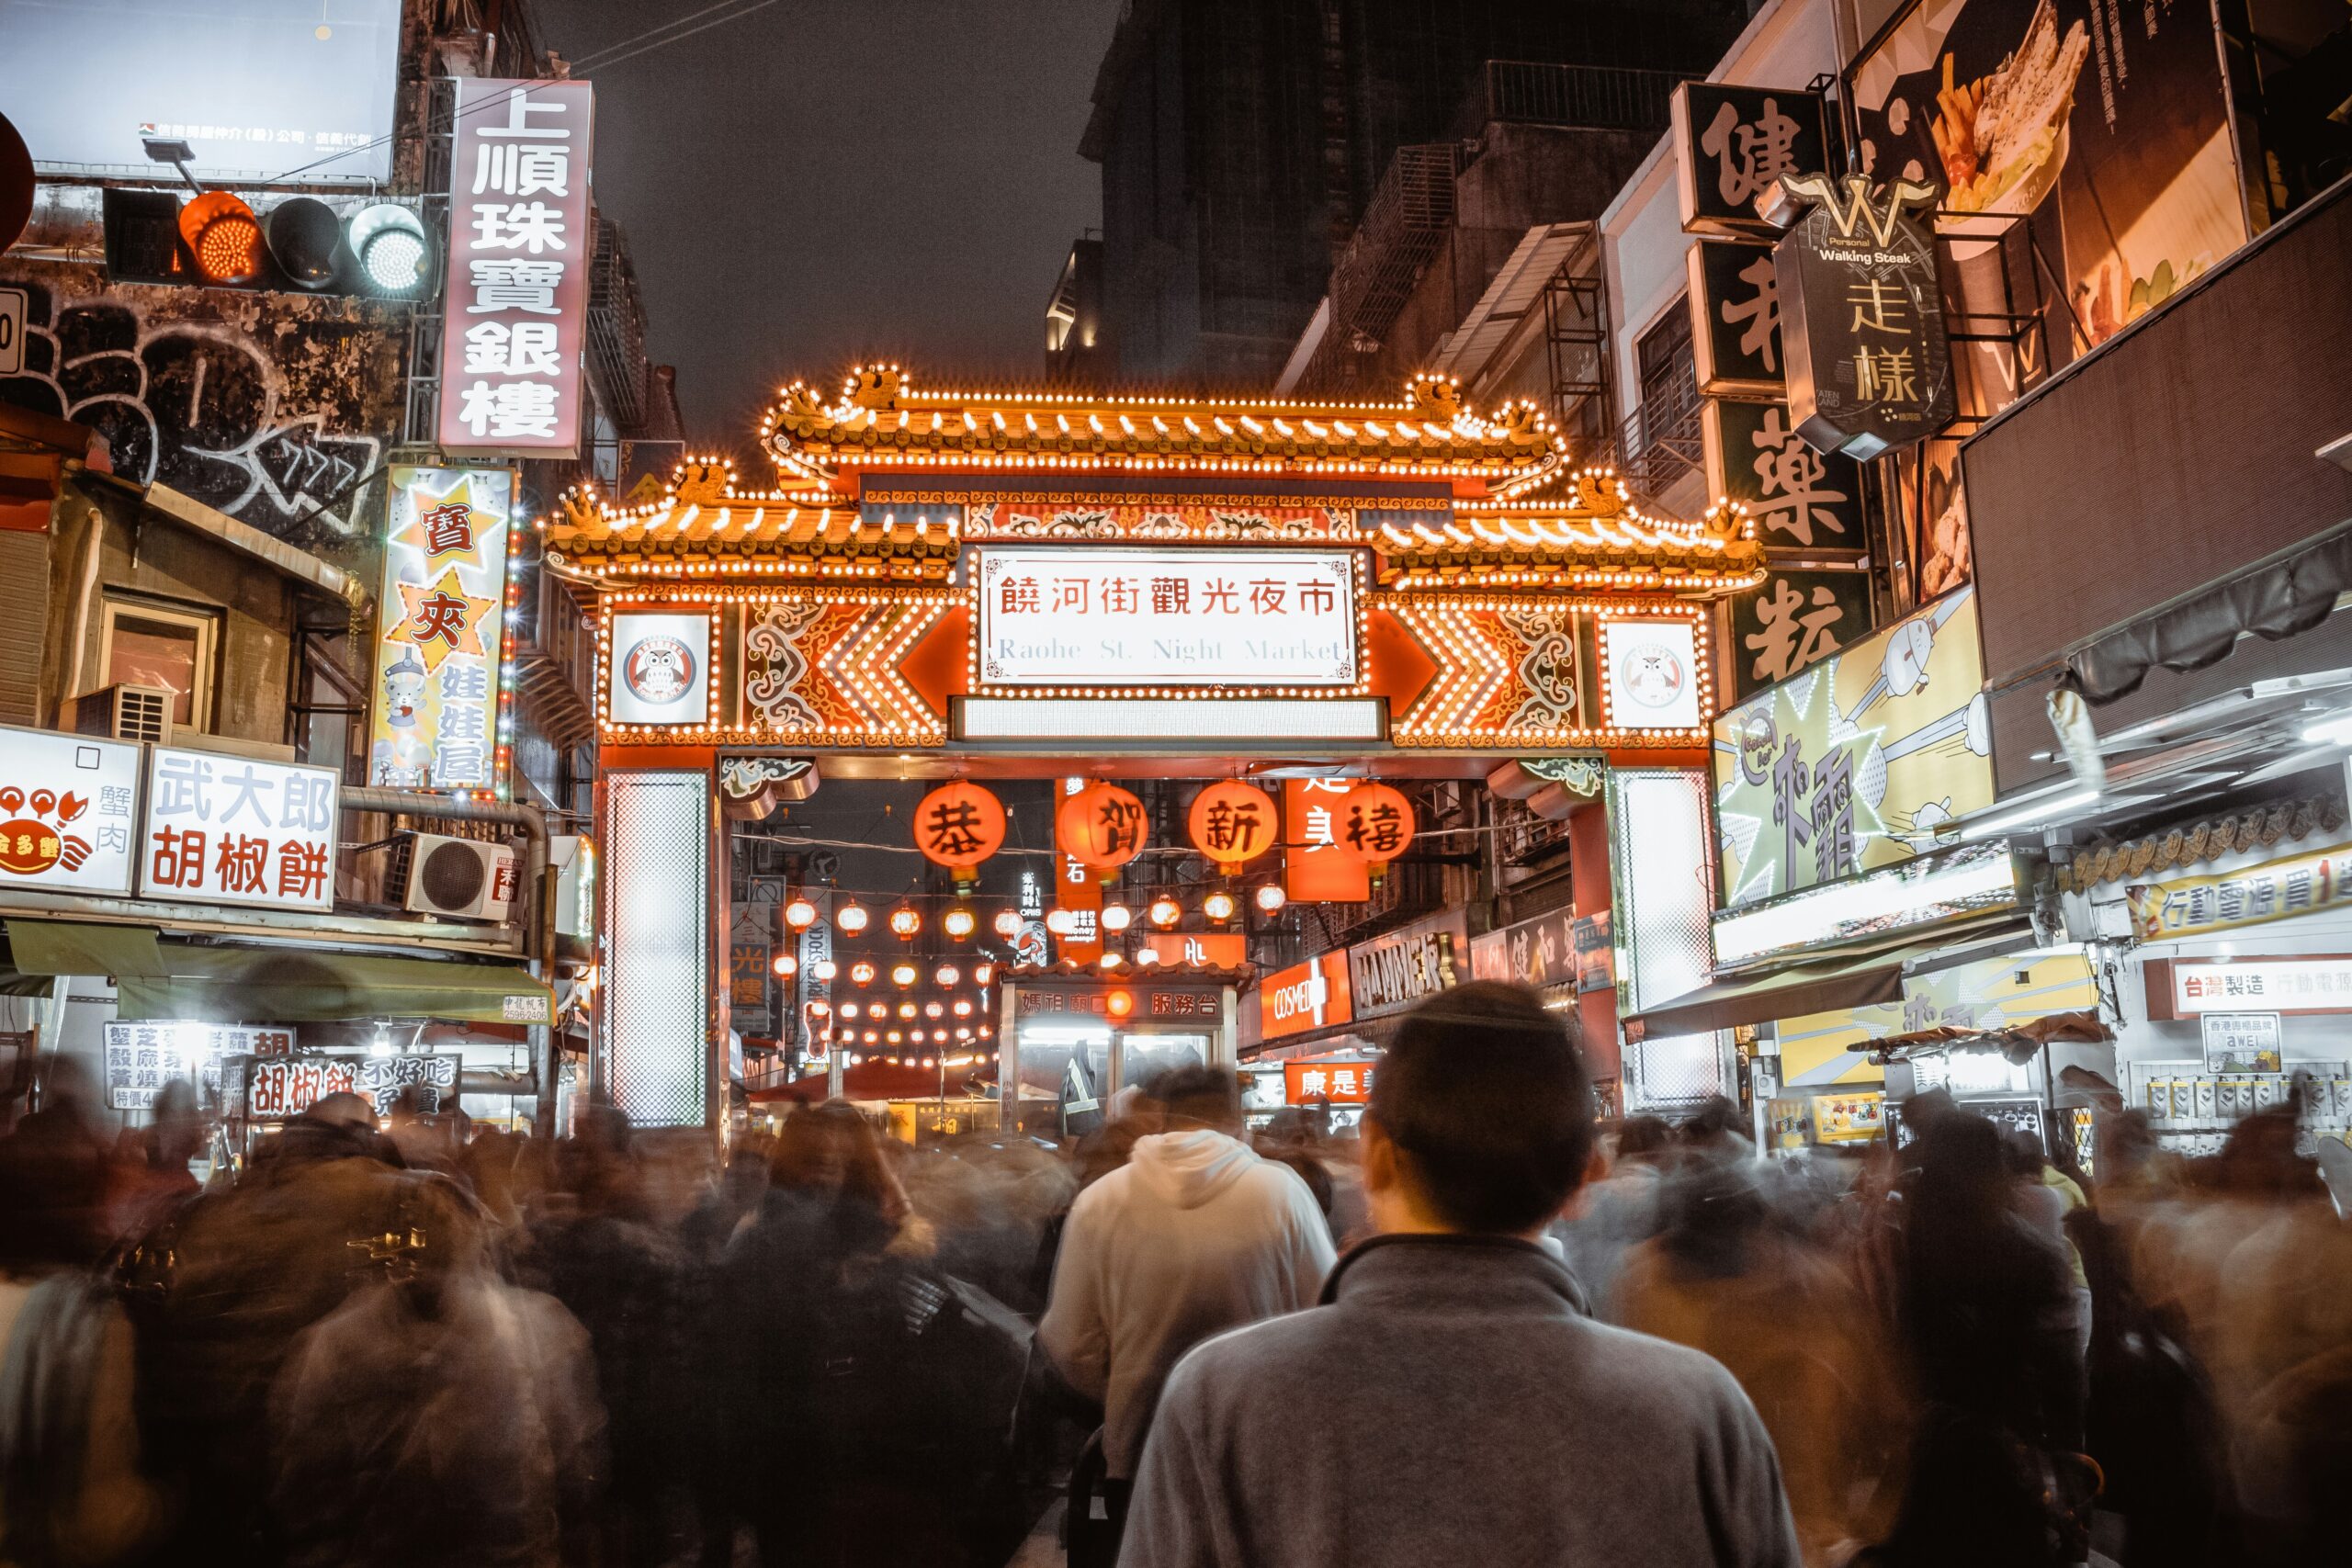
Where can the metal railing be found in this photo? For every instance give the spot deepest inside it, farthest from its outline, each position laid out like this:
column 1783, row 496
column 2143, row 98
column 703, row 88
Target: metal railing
column 1600, row 97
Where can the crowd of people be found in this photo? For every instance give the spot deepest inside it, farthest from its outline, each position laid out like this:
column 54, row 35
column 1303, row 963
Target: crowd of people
column 1487, row 1329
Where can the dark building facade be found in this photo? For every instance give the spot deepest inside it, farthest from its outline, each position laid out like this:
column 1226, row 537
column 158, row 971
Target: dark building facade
column 1241, row 141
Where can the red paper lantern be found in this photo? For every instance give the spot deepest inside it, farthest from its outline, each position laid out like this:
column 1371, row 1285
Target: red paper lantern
column 1232, row 822
column 958, row 826
column 1102, row 827
column 1373, row 824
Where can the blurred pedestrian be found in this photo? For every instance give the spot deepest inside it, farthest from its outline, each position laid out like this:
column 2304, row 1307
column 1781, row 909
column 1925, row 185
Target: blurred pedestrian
column 1193, row 1235
column 1449, row 1403
column 1617, row 1213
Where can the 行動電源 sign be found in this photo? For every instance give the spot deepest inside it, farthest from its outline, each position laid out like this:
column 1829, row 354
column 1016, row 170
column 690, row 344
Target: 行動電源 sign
column 1060, row 616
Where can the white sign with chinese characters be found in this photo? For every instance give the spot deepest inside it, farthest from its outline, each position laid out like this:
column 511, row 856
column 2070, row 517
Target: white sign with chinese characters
column 1652, row 674
column 520, row 243
column 660, row 670
column 224, row 829
column 65, row 811
column 1078, row 617
column 2281, row 984
column 2242, row 1043
column 141, row 1058
column 438, row 651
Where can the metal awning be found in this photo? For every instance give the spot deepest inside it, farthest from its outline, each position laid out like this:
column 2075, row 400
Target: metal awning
column 49, row 948
column 1857, row 980
column 292, row 985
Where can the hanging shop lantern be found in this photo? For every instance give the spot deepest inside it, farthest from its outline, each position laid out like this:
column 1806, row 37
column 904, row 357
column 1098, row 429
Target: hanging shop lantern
column 1232, row 822
column 1062, row 921
column 903, row 975
column 1269, row 897
column 1102, row 827
column 1218, row 905
column 861, row 973
column 1166, row 912
column 853, row 918
column 1008, row 923
column 959, row 923
column 799, row 915
column 984, row 973
column 786, row 966
column 907, row 1012
column 1373, row 824
column 1115, row 917
column 825, row 969
column 905, row 922
column 958, row 826
column 945, row 976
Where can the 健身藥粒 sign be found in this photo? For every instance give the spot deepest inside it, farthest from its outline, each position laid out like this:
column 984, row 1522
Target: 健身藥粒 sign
column 520, row 245
column 1070, row 615
column 65, row 812
column 1853, row 763
column 1862, row 317
column 225, row 830
column 439, row 649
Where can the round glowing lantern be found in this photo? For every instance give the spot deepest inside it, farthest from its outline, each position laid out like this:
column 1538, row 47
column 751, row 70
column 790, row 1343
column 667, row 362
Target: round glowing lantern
column 1115, row 917
column 903, row 975
column 825, row 969
column 945, row 976
column 1218, row 905
column 786, row 966
column 800, row 914
column 1373, row 824
column 959, row 924
column 1269, row 897
column 1008, row 923
column 861, row 973
column 905, row 922
column 907, row 1011
column 958, row 826
column 1102, row 827
column 1062, row 921
column 983, row 973
column 1166, row 912
column 1232, row 822
column 853, row 918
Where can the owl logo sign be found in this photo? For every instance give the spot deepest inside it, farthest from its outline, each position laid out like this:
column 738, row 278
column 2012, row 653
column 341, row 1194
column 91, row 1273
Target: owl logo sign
column 1653, row 674
column 660, row 670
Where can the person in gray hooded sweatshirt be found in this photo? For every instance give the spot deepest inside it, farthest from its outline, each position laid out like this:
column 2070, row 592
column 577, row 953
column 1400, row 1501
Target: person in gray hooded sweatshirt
column 1448, row 1402
column 1193, row 1235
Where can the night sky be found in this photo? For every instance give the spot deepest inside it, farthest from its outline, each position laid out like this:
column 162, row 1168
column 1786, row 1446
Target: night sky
column 817, row 184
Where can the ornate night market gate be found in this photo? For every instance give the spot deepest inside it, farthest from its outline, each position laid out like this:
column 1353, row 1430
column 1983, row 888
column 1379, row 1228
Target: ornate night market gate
column 955, row 585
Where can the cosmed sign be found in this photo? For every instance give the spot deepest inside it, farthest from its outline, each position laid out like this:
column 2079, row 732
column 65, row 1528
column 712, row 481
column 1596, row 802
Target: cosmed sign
column 519, row 249
column 222, row 829
column 1075, row 616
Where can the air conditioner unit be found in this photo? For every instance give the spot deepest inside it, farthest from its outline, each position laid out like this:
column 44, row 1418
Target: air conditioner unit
column 124, row 713
column 460, row 878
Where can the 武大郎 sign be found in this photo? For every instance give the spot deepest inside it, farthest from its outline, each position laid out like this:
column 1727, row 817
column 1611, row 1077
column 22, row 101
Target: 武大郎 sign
column 1853, row 763
column 439, row 642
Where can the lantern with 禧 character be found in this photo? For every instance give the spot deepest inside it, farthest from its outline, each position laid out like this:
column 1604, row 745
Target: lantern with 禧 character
column 1101, row 826
column 1232, row 823
column 1373, row 824
column 958, row 826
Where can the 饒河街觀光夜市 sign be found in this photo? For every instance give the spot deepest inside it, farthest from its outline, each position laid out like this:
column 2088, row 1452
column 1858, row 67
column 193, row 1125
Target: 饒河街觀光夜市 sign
column 1852, row 764
column 227, row 829
column 520, row 246
column 439, row 648
column 1061, row 616
column 1862, row 317
column 65, row 812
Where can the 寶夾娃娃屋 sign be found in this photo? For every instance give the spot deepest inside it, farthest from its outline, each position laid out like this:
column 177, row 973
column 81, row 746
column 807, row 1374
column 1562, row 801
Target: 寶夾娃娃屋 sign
column 1061, row 616
column 440, row 644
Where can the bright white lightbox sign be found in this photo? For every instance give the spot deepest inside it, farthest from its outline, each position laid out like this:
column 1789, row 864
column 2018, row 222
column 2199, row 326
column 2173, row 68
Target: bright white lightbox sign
column 1072, row 615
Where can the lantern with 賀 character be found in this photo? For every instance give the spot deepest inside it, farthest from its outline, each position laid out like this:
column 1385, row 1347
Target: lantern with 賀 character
column 1232, row 822
column 1102, row 827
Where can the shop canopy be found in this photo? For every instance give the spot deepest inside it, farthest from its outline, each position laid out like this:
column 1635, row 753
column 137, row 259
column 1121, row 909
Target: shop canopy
column 272, row 984
column 868, row 1080
column 1821, row 987
column 2017, row 1044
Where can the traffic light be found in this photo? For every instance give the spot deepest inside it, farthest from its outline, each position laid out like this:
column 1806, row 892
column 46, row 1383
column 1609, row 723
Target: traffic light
column 216, row 240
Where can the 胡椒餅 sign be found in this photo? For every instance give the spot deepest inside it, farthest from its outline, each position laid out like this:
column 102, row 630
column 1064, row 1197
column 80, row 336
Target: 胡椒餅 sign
column 1061, row 616
column 1862, row 317
column 520, row 245
column 226, row 829
column 65, row 812
column 438, row 651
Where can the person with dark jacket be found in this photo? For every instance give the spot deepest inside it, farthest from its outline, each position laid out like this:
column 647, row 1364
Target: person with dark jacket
column 1447, row 1402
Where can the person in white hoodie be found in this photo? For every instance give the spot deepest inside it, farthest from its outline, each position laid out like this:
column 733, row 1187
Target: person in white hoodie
column 1193, row 1235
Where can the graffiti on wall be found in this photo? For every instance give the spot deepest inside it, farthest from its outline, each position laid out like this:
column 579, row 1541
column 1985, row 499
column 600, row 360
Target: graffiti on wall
column 274, row 408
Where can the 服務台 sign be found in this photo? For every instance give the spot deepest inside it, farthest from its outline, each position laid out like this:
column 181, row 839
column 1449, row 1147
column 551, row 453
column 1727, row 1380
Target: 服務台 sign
column 65, row 812
column 224, row 829
column 1853, row 763
column 438, row 655
column 1862, row 317
column 520, row 245
column 1076, row 616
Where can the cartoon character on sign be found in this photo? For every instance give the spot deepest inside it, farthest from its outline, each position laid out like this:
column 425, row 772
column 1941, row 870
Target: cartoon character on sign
column 1653, row 676
column 31, row 845
column 660, row 670
column 403, row 685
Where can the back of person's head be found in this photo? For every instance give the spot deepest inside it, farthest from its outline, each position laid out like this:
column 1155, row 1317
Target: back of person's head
column 1717, row 1125
column 1485, row 1096
column 1961, row 1185
column 1199, row 1095
column 1645, row 1138
column 1716, row 1213
column 2025, row 1155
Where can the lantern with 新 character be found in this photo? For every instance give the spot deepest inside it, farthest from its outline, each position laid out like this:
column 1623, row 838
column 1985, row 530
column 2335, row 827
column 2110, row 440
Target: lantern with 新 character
column 1232, row 822
column 1373, row 824
column 958, row 826
column 1102, row 827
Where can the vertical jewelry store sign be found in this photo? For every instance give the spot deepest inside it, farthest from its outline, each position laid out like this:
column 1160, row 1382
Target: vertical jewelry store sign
column 442, row 629
column 520, row 241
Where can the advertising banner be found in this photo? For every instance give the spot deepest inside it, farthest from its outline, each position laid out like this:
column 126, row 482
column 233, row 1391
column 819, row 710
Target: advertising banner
column 224, row 829
column 2242, row 1043
column 1851, row 765
column 2190, row 988
column 1736, row 325
column 1803, row 500
column 65, row 812
column 1336, row 1083
column 1304, row 997
column 440, row 639
column 1314, row 869
column 520, row 245
column 141, row 1058
column 1550, row 950
column 1994, row 993
column 1390, row 973
column 2252, row 896
column 748, row 953
column 1058, row 616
